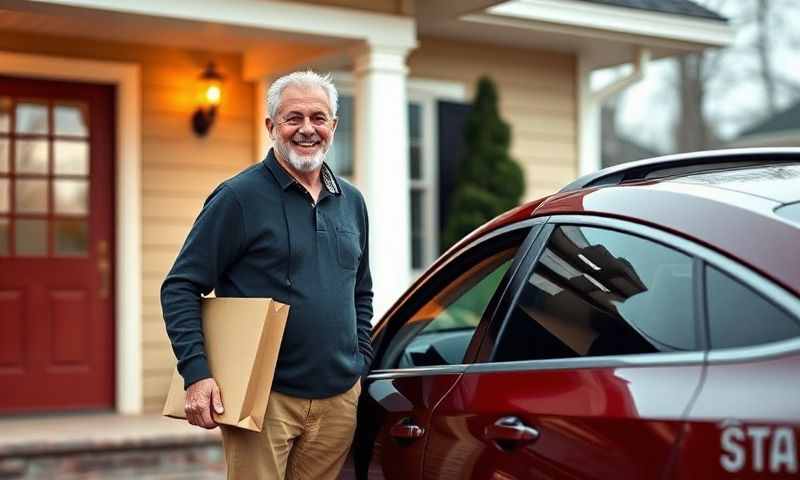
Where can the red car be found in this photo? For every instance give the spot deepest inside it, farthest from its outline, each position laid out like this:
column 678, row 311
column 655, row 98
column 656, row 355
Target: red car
column 642, row 323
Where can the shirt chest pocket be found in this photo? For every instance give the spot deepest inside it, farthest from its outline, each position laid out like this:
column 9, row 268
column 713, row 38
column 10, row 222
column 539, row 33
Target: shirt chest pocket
column 348, row 249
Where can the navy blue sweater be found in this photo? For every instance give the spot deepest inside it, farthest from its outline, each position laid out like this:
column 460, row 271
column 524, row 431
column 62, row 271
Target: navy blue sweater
column 260, row 234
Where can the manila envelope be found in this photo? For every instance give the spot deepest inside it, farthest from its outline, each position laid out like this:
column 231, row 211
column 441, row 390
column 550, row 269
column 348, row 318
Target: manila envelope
column 242, row 339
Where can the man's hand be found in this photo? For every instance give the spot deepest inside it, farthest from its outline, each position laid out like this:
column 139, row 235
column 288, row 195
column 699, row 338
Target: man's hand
column 200, row 396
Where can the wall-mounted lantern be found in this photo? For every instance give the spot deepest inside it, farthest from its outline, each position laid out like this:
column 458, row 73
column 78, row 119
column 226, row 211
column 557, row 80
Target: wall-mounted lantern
column 210, row 96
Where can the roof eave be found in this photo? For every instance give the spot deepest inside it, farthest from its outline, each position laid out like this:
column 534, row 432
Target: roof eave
column 589, row 20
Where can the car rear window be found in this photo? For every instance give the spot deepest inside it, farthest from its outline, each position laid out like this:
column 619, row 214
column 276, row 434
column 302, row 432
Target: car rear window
column 739, row 317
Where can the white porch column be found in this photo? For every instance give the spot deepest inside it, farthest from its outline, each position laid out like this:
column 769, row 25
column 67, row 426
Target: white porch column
column 381, row 166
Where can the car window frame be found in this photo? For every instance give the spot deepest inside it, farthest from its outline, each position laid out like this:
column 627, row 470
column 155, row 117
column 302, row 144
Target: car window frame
column 701, row 256
column 428, row 289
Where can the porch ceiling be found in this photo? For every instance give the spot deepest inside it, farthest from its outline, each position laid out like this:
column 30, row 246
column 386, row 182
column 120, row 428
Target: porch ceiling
column 273, row 35
column 53, row 19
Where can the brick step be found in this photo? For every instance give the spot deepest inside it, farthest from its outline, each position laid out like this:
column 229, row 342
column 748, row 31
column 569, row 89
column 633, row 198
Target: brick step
column 204, row 462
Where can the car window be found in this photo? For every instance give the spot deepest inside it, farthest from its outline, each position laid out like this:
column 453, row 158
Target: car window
column 439, row 331
column 597, row 292
column 738, row 316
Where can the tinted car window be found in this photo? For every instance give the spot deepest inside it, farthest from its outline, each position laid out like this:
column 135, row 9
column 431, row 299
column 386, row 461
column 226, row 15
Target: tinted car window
column 440, row 330
column 601, row 292
column 739, row 317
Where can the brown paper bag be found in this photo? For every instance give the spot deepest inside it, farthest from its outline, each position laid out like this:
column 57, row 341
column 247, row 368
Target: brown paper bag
column 242, row 339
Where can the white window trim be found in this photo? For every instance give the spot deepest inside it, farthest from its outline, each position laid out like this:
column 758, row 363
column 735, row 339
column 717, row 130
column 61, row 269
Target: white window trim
column 127, row 189
column 427, row 93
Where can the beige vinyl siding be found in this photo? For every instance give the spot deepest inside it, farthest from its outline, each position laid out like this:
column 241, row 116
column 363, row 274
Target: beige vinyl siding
column 537, row 92
column 178, row 169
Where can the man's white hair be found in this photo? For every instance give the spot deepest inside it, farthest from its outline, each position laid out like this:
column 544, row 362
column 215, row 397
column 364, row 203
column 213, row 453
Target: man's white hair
column 307, row 79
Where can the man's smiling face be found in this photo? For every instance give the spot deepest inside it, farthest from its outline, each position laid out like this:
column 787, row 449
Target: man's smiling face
column 303, row 128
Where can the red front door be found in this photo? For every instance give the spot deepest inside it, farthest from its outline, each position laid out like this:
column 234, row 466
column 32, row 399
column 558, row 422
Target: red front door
column 56, row 245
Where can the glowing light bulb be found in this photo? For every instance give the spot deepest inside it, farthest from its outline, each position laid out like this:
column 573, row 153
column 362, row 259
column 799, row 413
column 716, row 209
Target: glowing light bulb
column 213, row 94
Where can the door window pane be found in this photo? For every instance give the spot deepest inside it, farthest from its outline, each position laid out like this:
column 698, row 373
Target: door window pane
column 31, row 156
column 5, row 195
column 71, row 120
column 31, row 237
column 31, row 196
column 739, row 317
column 71, row 158
column 31, row 118
column 600, row 292
column 5, row 151
column 72, row 237
column 439, row 332
column 4, row 231
column 72, row 197
column 5, row 114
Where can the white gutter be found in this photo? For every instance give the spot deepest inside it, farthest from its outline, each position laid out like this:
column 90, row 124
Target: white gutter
column 589, row 105
column 643, row 58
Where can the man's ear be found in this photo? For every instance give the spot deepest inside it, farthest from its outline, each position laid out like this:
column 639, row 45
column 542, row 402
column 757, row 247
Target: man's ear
column 268, row 122
column 335, row 123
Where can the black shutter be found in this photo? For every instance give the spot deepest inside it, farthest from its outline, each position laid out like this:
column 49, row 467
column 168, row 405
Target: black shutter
column 452, row 151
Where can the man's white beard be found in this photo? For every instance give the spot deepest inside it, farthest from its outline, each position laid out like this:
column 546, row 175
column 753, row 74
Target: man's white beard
column 302, row 163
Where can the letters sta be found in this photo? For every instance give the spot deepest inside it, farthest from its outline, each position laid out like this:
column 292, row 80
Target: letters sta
column 758, row 448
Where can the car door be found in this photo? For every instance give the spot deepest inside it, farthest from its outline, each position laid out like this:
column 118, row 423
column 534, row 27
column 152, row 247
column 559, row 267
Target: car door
column 589, row 373
column 420, row 349
column 745, row 422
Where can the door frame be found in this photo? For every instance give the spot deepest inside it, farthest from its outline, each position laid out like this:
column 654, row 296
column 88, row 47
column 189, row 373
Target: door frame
column 127, row 194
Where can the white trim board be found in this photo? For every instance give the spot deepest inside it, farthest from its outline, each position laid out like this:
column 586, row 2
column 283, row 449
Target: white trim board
column 127, row 310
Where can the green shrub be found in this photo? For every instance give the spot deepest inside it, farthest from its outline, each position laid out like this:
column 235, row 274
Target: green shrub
column 489, row 181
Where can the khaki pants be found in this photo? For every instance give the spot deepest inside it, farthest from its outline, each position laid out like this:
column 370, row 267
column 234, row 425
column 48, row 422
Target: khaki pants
column 301, row 439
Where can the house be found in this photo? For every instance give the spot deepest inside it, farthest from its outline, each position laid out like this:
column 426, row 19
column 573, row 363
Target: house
column 101, row 173
column 779, row 130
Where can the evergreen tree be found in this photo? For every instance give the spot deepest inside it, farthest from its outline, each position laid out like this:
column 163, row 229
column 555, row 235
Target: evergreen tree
column 489, row 181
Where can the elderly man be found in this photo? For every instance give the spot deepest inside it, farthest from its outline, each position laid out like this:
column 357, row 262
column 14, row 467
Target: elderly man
column 286, row 228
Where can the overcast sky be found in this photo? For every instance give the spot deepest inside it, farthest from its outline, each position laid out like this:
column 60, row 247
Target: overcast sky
column 735, row 98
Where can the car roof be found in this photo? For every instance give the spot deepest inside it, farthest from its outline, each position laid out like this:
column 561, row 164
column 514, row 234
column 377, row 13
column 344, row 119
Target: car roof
column 725, row 201
column 686, row 164
column 779, row 182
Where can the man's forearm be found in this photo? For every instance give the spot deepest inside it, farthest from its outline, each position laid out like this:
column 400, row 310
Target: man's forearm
column 180, row 303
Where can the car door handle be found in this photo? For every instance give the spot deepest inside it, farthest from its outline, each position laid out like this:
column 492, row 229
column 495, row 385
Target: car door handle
column 510, row 430
column 405, row 429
